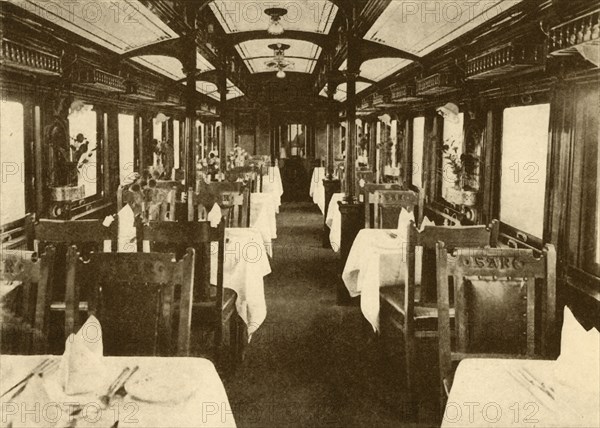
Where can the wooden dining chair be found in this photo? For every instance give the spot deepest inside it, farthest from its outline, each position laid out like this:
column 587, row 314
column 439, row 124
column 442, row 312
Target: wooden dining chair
column 383, row 203
column 259, row 166
column 88, row 236
column 504, row 305
column 159, row 204
column 214, row 305
column 25, row 325
column 249, row 175
column 362, row 178
column 233, row 196
column 411, row 308
column 134, row 296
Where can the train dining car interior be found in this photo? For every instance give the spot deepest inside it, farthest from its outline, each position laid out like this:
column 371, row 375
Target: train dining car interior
column 300, row 213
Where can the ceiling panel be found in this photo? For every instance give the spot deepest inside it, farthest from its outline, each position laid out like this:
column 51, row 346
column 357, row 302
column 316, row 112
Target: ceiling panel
column 299, row 65
column 210, row 89
column 340, row 93
column 379, row 68
column 302, row 53
column 314, row 16
column 420, row 27
column 169, row 66
column 165, row 65
column 120, row 26
column 260, row 48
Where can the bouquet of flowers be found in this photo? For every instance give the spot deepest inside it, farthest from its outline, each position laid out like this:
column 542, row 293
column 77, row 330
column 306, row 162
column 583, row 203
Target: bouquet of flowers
column 461, row 164
column 237, row 157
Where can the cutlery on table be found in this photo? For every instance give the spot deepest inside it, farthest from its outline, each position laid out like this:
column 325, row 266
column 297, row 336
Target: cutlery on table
column 45, row 366
column 118, row 384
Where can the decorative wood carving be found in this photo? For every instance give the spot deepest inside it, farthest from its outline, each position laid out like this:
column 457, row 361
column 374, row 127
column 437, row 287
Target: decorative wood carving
column 165, row 98
column 505, row 59
column 438, row 84
column 89, row 75
column 140, row 90
column 577, row 35
column 60, row 171
column 16, row 55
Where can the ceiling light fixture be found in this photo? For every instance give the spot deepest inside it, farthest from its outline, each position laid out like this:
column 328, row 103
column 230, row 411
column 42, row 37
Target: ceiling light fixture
column 275, row 28
column 279, row 62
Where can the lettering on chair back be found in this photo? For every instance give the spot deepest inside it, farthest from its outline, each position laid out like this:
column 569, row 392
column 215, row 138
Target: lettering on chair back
column 504, row 298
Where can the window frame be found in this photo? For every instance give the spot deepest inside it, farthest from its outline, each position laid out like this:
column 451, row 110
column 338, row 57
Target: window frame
column 134, row 146
column 28, row 159
column 411, row 136
column 101, row 145
column 440, row 164
column 512, row 235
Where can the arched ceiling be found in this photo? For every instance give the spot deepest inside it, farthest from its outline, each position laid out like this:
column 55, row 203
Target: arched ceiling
column 420, row 27
column 256, row 53
column 135, row 27
column 236, row 16
column 306, row 25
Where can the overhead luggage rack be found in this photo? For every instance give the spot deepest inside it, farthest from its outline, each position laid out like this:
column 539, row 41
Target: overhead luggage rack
column 505, row 59
column 21, row 57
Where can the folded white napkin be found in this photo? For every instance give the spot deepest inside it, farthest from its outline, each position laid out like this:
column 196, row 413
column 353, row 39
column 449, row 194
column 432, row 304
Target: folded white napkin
column 82, row 368
column 34, row 394
column 404, row 220
column 214, row 216
column 426, row 222
column 126, row 230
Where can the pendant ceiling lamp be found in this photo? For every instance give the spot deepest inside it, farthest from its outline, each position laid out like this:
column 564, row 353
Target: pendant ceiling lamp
column 275, row 28
column 279, row 62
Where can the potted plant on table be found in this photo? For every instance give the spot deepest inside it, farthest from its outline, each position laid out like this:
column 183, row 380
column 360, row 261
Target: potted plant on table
column 462, row 166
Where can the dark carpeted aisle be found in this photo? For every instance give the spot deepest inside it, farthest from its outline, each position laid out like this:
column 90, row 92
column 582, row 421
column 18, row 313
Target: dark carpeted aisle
column 312, row 363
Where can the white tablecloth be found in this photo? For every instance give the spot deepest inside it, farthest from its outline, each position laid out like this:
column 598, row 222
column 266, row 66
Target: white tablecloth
column 317, row 190
column 245, row 266
column 376, row 259
column 263, row 216
column 334, row 221
column 208, row 406
column 273, row 186
column 7, row 287
column 507, row 393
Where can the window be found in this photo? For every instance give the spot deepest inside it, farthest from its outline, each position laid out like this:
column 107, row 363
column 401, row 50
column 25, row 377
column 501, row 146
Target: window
column 394, row 141
column 12, row 153
column 453, row 140
column 524, row 153
column 297, row 139
column 84, row 144
column 417, row 151
column 126, row 146
column 156, row 135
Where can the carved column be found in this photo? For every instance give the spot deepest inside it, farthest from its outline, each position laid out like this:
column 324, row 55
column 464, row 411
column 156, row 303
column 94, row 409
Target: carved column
column 350, row 209
column 222, row 86
column 190, row 118
column 330, row 184
column 351, row 144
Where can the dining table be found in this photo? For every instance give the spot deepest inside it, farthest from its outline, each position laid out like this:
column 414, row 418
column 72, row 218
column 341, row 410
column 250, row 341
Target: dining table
column 272, row 185
column 378, row 258
column 489, row 392
column 317, row 189
column 263, row 216
column 163, row 392
column 375, row 260
column 244, row 267
column 334, row 221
